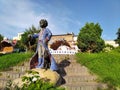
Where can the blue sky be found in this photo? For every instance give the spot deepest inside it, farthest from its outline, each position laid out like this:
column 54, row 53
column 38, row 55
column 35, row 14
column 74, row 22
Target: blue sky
column 63, row 15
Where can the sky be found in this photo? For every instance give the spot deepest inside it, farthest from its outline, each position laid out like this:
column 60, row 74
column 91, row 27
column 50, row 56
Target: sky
column 63, row 16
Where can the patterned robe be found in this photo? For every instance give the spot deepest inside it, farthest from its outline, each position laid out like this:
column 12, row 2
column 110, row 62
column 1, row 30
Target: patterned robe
column 43, row 37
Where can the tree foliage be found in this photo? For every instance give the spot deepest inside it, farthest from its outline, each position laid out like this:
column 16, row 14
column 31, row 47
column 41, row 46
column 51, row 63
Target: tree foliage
column 1, row 37
column 89, row 38
column 118, row 37
column 25, row 40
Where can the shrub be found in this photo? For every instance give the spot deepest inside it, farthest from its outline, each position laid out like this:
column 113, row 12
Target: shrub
column 34, row 82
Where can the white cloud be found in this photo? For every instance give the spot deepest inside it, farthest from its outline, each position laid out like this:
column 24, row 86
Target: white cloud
column 18, row 15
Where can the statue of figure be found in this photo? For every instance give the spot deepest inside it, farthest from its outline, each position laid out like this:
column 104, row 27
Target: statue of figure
column 42, row 57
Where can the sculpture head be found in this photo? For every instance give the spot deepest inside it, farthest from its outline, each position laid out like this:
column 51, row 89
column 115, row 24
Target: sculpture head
column 43, row 23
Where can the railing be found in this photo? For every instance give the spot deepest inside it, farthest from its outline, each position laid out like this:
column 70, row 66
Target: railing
column 63, row 51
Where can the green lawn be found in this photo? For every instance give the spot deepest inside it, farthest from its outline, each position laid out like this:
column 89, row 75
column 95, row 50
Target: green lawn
column 13, row 59
column 106, row 65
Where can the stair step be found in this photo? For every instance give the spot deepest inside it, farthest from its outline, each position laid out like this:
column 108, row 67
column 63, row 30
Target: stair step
column 27, row 64
column 3, row 83
column 21, row 68
column 73, row 67
column 76, row 79
column 11, row 75
column 76, row 67
column 85, row 86
column 81, row 87
column 74, row 74
column 69, row 64
column 76, row 71
column 61, row 61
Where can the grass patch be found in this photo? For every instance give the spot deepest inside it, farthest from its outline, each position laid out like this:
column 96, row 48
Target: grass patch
column 9, row 60
column 106, row 65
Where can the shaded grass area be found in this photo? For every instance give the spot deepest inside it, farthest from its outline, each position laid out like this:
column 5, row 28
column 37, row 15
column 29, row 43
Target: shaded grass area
column 106, row 65
column 9, row 60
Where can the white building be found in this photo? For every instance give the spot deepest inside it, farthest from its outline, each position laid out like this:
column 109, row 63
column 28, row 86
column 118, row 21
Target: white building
column 18, row 36
column 111, row 42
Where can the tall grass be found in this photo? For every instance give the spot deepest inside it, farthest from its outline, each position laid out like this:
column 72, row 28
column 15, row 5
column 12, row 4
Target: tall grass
column 106, row 65
column 9, row 60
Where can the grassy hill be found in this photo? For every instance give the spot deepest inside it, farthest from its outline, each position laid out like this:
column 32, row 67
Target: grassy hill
column 9, row 60
column 106, row 65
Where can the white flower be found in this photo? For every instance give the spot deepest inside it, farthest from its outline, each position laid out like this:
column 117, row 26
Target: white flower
column 34, row 79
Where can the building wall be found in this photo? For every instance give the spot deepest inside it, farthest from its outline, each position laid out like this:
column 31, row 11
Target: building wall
column 68, row 37
column 111, row 42
column 18, row 36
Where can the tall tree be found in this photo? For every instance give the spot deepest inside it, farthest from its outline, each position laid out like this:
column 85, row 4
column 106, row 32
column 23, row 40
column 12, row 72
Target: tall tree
column 89, row 38
column 118, row 37
column 1, row 37
column 25, row 40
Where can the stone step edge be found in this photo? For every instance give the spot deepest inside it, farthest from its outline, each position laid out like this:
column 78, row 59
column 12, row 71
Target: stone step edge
column 87, row 84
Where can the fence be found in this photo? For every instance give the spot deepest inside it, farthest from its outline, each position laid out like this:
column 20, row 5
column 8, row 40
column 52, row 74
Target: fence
column 63, row 51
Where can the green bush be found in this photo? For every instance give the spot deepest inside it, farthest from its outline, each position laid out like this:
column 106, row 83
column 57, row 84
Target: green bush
column 117, row 49
column 108, row 48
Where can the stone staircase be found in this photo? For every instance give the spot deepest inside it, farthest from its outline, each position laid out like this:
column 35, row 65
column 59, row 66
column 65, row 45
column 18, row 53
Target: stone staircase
column 13, row 73
column 76, row 77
